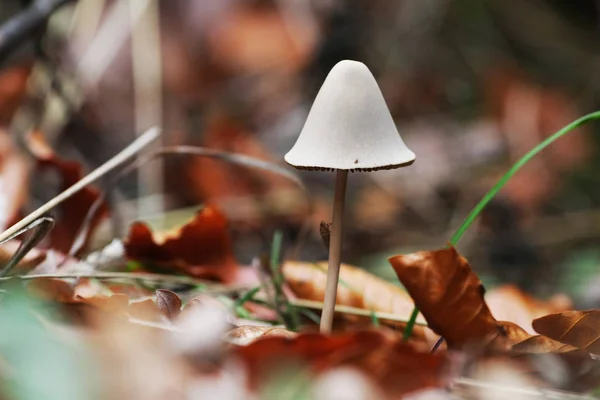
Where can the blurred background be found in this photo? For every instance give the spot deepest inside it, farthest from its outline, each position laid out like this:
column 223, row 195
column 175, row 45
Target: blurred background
column 472, row 85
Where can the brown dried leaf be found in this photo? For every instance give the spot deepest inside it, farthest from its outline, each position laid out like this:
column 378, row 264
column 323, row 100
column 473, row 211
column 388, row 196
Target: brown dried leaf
column 168, row 303
column 396, row 366
column 508, row 334
column 580, row 329
column 76, row 207
column 448, row 293
column 541, row 344
column 201, row 248
column 358, row 288
column 80, row 307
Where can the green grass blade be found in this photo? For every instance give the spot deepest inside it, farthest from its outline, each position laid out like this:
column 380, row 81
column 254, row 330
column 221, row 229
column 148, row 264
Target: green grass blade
column 498, row 186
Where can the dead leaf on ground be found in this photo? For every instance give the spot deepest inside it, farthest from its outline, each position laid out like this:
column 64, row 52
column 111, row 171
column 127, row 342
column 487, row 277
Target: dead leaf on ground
column 59, row 291
column 448, row 293
column 168, row 303
column 580, row 329
column 541, row 344
column 202, row 248
column 246, row 334
column 76, row 207
column 357, row 288
column 396, row 366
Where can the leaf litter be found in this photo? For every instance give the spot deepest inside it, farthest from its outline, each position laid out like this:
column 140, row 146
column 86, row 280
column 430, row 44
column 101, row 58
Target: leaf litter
column 205, row 342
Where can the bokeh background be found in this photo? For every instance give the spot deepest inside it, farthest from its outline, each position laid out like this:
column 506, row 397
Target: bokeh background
column 472, row 85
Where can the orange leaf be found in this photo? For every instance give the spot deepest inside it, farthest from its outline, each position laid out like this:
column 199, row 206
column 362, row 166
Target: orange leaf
column 541, row 344
column 448, row 293
column 201, row 248
column 396, row 366
column 580, row 329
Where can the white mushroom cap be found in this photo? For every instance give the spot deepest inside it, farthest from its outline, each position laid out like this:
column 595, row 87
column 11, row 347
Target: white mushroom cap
column 349, row 126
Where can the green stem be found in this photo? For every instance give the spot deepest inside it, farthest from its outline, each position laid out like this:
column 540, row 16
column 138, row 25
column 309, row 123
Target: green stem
column 497, row 187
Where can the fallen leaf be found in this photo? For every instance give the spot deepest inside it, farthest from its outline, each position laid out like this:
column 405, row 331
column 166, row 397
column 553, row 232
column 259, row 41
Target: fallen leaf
column 76, row 207
column 246, row 334
column 357, row 288
column 396, row 366
column 202, row 248
column 168, row 303
column 580, row 329
column 541, row 344
column 508, row 334
column 448, row 293
column 59, row 291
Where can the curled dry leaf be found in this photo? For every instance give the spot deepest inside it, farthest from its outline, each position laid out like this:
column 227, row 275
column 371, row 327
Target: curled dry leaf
column 76, row 207
column 201, row 248
column 580, row 329
column 448, row 293
column 246, row 334
column 358, row 288
column 397, row 367
column 541, row 344
column 168, row 303
column 508, row 334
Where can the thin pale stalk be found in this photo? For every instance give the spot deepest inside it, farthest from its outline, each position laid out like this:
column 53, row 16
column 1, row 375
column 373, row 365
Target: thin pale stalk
column 335, row 251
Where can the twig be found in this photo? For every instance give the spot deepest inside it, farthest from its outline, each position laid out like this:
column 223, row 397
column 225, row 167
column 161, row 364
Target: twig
column 130, row 151
column 211, row 286
column 233, row 158
column 317, row 305
column 39, row 228
column 23, row 25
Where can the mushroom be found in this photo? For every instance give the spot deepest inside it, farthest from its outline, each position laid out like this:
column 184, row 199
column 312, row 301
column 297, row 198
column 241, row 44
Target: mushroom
column 349, row 128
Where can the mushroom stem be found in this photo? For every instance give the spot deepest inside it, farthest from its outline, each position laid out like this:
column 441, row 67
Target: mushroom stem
column 335, row 251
